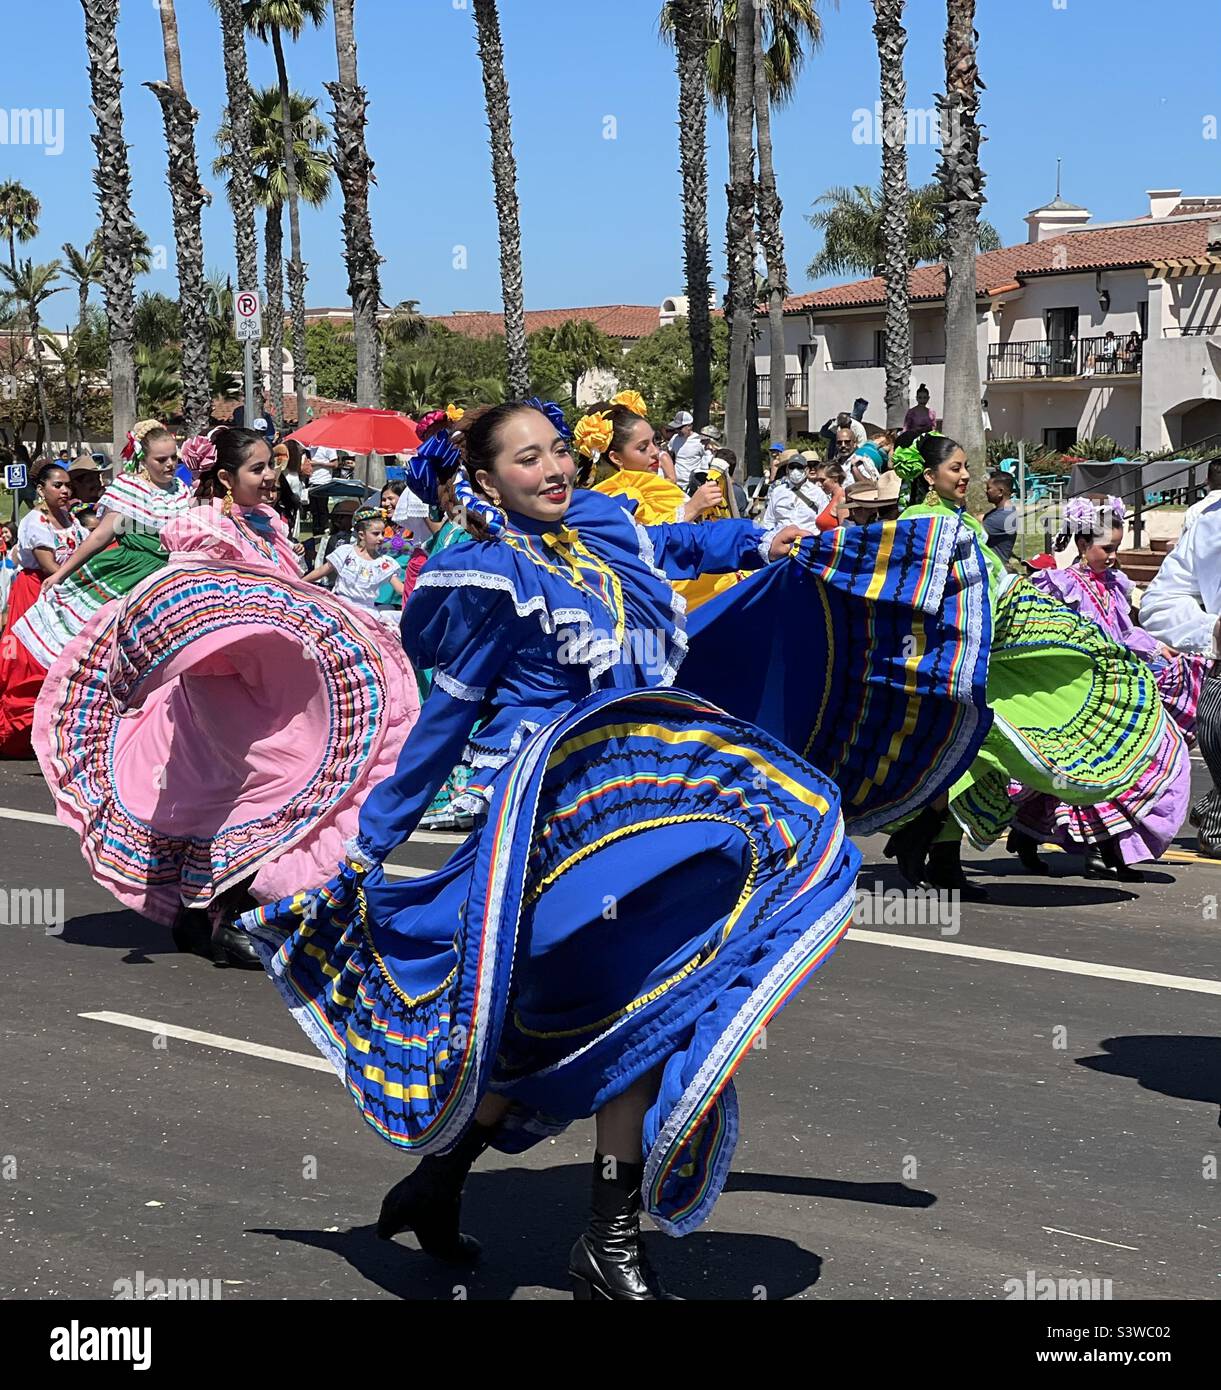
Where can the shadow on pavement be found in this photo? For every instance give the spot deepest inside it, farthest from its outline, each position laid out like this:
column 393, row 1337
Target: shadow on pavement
column 887, row 1194
column 1188, row 1068
column 1008, row 891
column 527, row 1219
column 121, row 931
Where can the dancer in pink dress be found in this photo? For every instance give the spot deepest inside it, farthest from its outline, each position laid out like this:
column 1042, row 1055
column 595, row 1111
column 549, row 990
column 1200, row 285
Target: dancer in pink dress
column 212, row 735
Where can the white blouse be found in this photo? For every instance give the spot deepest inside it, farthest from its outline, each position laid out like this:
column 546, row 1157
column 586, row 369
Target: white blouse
column 360, row 576
column 36, row 532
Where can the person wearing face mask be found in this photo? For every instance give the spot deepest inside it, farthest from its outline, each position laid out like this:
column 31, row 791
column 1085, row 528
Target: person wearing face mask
column 134, row 509
column 1112, row 836
column 226, row 753
column 1057, row 685
column 652, row 877
column 794, row 499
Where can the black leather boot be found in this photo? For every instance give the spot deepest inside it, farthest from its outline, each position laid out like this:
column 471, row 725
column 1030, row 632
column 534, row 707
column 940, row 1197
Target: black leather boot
column 428, row 1201
column 230, row 945
column 945, row 871
column 1026, row 847
column 909, row 845
column 608, row 1263
column 192, row 932
column 1114, row 860
column 1095, row 865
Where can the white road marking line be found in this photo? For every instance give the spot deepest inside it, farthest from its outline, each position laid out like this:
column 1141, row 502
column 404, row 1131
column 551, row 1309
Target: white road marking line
column 424, row 836
column 1056, row 1231
column 1122, row 973
column 903, row 943
column 172, row 1030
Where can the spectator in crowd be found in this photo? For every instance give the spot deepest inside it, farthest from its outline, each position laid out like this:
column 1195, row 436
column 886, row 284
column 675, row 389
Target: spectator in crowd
column 1131, row 352
column 1001, row 522
column 845, row 420
column 844, row 444
column 85, row 478
column 293, row 488
column 920, row 418
column 795, row 499
column 1210, row 498
column 322, row 474
column 1106, row 357
column 874, row 501
column 871, row 459
column 685, row 447
column 728, row 456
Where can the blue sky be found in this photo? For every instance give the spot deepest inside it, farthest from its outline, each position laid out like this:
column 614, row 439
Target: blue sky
column 601, row 218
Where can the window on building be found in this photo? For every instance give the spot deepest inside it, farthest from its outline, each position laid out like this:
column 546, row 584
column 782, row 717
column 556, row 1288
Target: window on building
column 879, row 347
column 1142, row 315
column 1061, row 440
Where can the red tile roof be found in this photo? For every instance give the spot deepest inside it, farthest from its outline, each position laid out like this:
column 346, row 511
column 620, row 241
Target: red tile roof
column 615, row 320
column 1107, row 248
column 222, row 411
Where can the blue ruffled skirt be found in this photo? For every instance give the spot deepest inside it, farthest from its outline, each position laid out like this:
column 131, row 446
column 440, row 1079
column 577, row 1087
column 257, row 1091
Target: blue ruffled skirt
column 653, row 883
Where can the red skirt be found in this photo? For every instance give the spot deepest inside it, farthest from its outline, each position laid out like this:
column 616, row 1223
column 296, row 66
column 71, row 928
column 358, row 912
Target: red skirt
column 21, row 677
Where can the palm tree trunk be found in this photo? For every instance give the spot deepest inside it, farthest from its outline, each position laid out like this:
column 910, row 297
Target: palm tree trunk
column 962, row 188
column 355, row 172
column 504, row 173
column 273, row 269
column 77, row 393
column 241, row 184
column 296, row 266
column 892, row 40
column 772, row 239
column 112, row 177
column 691, row 20
column 40, row 383
column 739, row 227
column 188, row 197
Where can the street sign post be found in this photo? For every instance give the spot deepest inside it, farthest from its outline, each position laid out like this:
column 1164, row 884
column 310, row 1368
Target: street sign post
column 248, row 330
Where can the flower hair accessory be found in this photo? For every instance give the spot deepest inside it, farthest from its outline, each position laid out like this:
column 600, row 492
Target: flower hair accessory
column 454, row 412
column 365, row 514
column 908, row 463
column 133, row 451
column 198, row 453
column 593, row 435
column 553, row 413
column 634, row 401
column 428, row 420
column 435, row 460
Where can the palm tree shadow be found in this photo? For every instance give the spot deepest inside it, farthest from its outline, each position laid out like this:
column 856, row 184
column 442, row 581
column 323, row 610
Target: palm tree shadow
column 1188, row 1068
column 527, row 1219
column 121, row 930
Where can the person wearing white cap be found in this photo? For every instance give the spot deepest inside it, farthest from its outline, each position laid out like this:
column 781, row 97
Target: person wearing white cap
column 688, row 449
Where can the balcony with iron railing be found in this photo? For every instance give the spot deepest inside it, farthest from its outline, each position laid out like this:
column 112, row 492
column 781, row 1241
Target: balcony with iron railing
column 1194, row 330
column 794, row 391
column 851, row 363
column 1047, row 358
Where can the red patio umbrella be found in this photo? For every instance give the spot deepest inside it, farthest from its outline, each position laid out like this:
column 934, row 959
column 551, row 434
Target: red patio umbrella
column 361, row 432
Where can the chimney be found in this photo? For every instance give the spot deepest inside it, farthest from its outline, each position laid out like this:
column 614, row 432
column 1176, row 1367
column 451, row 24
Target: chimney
column 1163, row 201
column 1055, row 218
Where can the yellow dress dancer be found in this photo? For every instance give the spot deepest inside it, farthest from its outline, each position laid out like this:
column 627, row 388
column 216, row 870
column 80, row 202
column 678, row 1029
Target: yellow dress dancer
column 622, row 459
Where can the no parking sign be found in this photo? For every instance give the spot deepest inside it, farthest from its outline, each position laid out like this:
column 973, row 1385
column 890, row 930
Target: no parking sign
column 247, row 316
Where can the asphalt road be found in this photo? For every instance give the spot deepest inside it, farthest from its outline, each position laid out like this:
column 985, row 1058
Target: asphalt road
column 922, row 1123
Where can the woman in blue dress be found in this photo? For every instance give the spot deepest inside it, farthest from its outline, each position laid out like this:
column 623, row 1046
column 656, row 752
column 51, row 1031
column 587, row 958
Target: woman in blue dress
column 654, row 878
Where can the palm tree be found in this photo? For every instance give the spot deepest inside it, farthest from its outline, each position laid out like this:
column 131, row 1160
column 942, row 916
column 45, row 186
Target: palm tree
column 892, row 40
column 417, row 386
column 504, row 173
column 188, row 197
column 962, row 184
column 84, row 269
column 311, row 166
column 32, row 285
column 19, row 213
column 270, row 20
column 241, row 181
column 688, row 22
column 741, row 299
column 157, row 321
column 404, row 324
column 159, row 385
column 580, row 347
column 112, row 176
column 355, row 172
column 850, row 220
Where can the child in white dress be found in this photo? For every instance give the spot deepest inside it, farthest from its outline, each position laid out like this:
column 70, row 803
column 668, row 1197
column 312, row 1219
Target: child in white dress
column 359, row 570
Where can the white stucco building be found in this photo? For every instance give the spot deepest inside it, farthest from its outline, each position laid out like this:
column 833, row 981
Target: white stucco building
column 1084, row 329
